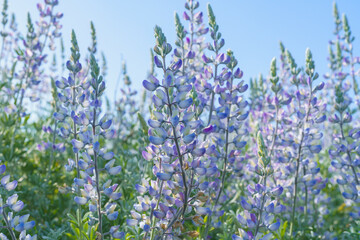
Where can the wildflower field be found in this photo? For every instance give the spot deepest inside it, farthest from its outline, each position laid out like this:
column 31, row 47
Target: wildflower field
column 200, row 152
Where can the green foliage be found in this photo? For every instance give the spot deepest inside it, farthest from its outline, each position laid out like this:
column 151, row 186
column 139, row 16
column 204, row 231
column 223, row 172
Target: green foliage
column 76, row 223
column 45, row 186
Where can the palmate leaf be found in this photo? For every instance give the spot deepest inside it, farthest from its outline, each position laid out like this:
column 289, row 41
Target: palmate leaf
column 55, row 234
column 88, row 232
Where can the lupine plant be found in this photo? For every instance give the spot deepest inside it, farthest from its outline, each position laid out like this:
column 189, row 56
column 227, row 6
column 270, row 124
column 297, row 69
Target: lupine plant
column 207, row 153
column 13, row 223
column 173, row 144
column 90, row 132
column 343, row 151
column 83, row 97
column 263, row 206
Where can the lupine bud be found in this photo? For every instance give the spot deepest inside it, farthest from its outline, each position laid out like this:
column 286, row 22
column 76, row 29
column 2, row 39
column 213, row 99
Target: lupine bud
column 245, row 205
column 156, row 140
column 185, row 103
column 270, row 208
column 348, row 195
column 177, row 65
column 114, row 170
column 206, row 59
column 158, row 62
column 131, row 222
column 113, row 216
column 80, row 200
column 108, row 155
column 198, row 152
column 319, row 87
column 11, row 185
column 18, row 206
column 96, row 147
column 149, row 86
column 106, row 125
column 189, row 138
column 163, row 176
column 274, row 226
column 153, row 123
column 277, row 191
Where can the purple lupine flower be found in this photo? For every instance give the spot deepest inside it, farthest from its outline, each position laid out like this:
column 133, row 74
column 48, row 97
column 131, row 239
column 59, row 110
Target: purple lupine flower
column 11, row 206
column 81, row 110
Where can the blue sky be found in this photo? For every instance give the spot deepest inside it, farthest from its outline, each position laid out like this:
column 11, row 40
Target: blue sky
column 252, row 29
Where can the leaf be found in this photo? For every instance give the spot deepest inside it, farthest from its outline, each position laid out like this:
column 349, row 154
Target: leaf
column 26, row 119
column 85, row 216
column 143, row 124
column 283, row 229
column 72, row 217
column 19, row 52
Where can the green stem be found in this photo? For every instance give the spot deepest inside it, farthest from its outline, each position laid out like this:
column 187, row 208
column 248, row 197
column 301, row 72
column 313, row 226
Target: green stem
column 181, row 160
column 12, row 234
column 152, row 213
column 298, row 162
column 97, row 174
column 306, row 198
column 77, row 156
column 52, row 151
column 223, row 173
column 261, row 208
column 347, row 150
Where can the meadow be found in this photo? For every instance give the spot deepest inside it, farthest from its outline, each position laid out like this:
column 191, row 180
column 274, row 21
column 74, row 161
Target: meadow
column 200, row 152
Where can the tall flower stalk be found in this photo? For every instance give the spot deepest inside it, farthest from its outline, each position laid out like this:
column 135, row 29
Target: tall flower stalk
column 343, row 150
column 312, row 112
column 219, row 59
column 72, row 97
column 229, row 118
column 173, row 148
column 32, row 55
column 263, row 204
